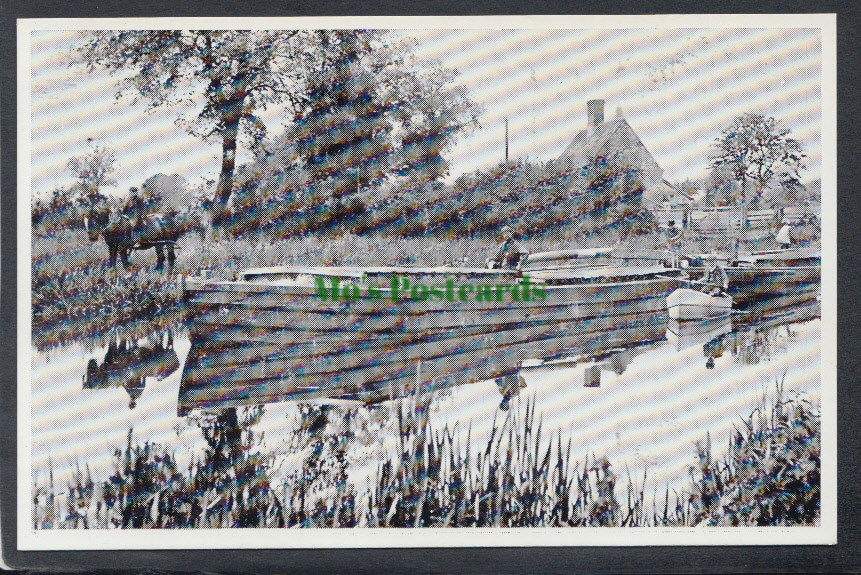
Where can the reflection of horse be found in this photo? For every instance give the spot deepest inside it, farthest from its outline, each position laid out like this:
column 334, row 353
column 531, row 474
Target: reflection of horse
column 128, row 365
column 157, row 231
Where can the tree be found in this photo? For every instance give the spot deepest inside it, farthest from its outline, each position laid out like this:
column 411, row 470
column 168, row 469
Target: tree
column 755, row 150
column 374, row 112
column 722, row 188
column 342, row 137
column 167, row 193
column 92, row 171
column 60, row 211
column 688, row 187
column 237, row 73
column 376, row 119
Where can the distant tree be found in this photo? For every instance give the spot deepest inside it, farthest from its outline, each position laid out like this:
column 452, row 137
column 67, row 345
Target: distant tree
column 814, row 190
column 792, row 192
column 755, row 150
column 236, row 72
column 165, row 193
column 61, row 210
column 722, row 189
column 689, row 187
column 37, row 211
column 92, row 171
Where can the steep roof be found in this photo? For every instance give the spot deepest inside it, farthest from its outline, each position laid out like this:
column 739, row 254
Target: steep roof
column 589, row 141
column 610, row 139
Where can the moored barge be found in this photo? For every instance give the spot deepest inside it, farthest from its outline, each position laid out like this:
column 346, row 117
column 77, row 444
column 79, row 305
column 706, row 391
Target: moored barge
column 293, row 332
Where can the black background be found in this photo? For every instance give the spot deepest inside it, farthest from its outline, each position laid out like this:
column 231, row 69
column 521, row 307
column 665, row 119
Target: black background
column 844, row 557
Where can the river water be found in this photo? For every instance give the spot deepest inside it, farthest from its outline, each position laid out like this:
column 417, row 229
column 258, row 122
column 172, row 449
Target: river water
column 647, row 406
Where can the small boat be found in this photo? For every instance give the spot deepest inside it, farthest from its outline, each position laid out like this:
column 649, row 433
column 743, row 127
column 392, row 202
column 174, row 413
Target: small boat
column 692, row 304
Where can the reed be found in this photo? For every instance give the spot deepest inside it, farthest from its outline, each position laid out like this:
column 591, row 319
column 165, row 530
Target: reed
column 770, row 474
column 521, row 477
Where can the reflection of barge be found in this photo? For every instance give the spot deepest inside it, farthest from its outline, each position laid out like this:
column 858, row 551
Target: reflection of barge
column 277, row 333
column 375, row 370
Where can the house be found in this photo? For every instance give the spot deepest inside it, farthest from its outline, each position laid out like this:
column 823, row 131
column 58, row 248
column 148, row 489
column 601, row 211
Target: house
column 614, row 140
column 666, row 195
column 668, row 203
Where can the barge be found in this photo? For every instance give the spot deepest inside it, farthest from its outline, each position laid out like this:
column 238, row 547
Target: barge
column 376, row 333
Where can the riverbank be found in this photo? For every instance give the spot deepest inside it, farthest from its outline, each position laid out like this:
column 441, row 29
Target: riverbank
column 769, row 474
column 76, row 294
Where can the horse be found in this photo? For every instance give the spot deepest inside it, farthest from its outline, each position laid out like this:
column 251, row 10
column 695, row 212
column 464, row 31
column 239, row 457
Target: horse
column 157, row 231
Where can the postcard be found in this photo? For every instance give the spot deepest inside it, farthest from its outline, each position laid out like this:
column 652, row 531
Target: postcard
column 427, row 282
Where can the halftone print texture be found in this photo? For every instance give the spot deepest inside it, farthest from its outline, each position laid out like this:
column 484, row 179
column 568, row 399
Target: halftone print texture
column 418, row 278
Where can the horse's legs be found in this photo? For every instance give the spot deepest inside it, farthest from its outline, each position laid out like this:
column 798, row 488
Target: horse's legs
column 159, row 252
column 124, row 256
column 112, row 256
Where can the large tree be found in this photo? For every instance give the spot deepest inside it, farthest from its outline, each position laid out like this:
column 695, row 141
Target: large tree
column 373, row 117
column 755, row 150
column 234, row 72
column 375, row 111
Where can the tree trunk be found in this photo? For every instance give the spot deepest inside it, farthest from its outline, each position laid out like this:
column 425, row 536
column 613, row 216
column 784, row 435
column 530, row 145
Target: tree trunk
column 228, row 163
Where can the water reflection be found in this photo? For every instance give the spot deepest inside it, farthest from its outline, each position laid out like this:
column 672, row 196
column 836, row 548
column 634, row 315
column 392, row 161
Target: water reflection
column 324, row 365
column 128, row 364
column 685, row 334
column 763, row 337
column 311, row 447
column 92, row 330
column 752, row 335
column 330, row 366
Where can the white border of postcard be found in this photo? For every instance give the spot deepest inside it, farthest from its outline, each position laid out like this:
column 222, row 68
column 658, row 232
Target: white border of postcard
column 825, row 533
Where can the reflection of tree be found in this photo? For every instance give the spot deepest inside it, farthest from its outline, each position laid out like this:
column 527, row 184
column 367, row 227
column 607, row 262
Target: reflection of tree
column 227, row 487
column 750, row 346
column 230, row 470
column 322, row 439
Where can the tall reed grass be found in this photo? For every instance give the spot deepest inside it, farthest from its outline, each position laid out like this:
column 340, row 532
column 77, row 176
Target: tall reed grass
column 521, row 477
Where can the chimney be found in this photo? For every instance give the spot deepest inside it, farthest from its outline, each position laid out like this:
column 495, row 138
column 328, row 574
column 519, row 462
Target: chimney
column 596, row 112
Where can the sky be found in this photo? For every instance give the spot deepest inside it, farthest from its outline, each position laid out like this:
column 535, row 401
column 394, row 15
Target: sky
column 677, row 88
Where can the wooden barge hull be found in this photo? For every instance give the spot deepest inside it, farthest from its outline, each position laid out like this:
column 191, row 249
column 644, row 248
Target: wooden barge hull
column 266, row 338
column 216, row 307
column 750, row 284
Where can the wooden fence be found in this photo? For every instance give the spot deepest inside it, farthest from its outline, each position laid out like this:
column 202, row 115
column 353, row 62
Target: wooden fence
column 728, row 219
